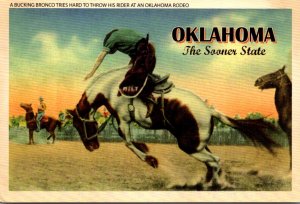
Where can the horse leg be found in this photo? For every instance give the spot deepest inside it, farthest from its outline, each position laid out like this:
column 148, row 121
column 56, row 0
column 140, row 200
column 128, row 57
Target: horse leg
column 124, row 131
column 51, row 135
column 209, row 174
column 213, row 167
column 200, row 151
column 31, row 137
column 48, row 138
column 139, row 145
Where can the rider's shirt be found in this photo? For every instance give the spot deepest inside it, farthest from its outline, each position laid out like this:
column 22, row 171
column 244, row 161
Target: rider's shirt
column 123, row 40
column 42, row 107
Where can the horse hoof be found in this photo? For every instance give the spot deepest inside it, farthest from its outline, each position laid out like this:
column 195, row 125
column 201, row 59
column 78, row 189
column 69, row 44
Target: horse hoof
column 152, row 161
column 228, row 186
column 218, row 186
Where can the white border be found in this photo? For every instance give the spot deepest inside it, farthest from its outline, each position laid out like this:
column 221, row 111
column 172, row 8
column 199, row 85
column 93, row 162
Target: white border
column 149, row 196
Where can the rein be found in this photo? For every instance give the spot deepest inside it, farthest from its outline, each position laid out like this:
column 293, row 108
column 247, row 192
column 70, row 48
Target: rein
column 84, row 121
column 102, row 126
column 162, row 109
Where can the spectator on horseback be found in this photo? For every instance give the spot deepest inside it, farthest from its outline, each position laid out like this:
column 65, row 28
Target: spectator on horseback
column 142, row 61
column 40, row 113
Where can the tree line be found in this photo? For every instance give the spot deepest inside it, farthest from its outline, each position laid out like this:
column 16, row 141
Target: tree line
column 222, row 134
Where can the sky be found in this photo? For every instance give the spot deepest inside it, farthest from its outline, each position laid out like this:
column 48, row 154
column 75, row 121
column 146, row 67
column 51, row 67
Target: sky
column 52, row 50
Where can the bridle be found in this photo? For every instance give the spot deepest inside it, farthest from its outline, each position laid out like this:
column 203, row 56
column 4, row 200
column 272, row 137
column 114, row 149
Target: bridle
column 279, row 78
column 84, row 121
column 99, row 129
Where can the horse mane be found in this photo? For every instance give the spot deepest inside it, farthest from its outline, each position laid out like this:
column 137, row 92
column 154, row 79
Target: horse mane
column 287, row 79
column 151, row 48
column 151, row 59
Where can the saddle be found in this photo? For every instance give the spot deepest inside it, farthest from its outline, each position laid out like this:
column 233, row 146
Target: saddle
column 161, row 84
column 153, row 84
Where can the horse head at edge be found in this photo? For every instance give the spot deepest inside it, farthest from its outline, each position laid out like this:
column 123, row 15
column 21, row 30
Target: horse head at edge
column 271, row 80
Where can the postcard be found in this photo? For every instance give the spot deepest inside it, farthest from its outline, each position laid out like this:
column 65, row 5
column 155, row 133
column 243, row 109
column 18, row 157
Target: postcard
column 106, row 101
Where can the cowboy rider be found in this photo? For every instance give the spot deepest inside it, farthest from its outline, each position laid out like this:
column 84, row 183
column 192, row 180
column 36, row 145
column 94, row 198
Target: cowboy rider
column 142, row 60
column 41, row 112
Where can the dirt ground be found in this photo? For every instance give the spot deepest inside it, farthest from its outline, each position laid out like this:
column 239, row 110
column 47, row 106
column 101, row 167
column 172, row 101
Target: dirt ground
column 68, row 166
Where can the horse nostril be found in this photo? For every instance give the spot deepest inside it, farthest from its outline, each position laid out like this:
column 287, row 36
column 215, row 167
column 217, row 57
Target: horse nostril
column 95, row 145
column 257, row 81
column 91, row 148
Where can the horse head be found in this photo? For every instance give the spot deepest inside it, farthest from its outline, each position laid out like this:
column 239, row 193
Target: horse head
column 142, row 46
column 87, row 130
column 145, row 56
column 26, row 106
column 271, row 80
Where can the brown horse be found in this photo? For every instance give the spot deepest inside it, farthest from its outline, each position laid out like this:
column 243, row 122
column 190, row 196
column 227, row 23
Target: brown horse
column 48, row 123
column 283, row 99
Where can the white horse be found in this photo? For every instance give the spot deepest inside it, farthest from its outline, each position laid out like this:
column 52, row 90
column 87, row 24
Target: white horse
column 184, row 114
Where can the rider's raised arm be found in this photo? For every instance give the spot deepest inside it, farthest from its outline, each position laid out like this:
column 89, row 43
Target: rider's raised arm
column 98, row 62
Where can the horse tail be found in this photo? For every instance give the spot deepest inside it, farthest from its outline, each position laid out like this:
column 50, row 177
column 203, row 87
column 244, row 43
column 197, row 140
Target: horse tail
column 257, row 130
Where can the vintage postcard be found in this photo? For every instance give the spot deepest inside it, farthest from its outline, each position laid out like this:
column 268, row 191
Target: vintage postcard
column 108, row 101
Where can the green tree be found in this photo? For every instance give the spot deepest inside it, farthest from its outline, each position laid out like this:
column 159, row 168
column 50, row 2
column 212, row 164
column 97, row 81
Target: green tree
column 15, row 121
column 254, row 115
column 272, row 120
column 237, row 117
